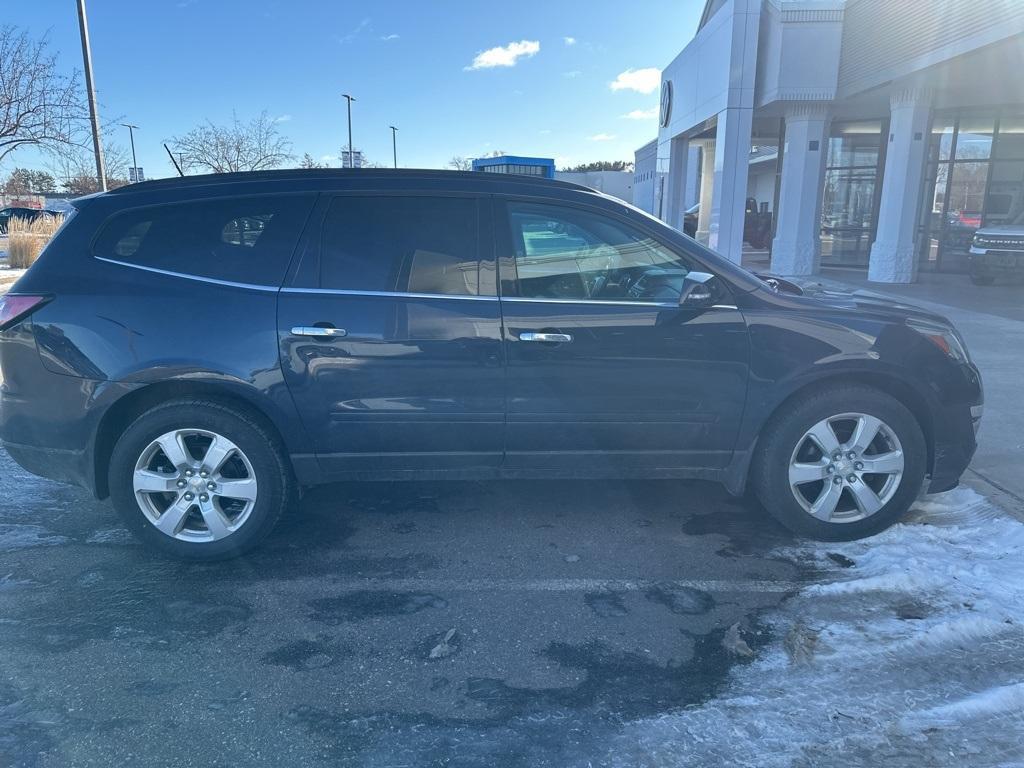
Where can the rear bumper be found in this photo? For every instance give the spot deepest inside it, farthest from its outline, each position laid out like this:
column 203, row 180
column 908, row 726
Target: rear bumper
column 65, row 465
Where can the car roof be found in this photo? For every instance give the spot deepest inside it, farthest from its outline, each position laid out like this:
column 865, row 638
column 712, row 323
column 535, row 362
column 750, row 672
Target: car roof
column 474, row 180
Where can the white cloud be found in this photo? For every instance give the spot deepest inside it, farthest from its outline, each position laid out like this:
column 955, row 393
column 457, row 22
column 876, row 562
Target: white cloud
column 640, row 80
column 544, row 131
column 642, row 114
column 355, row 32
column 392, row 36
column 602, row 137
column 569, row 40
column 505, row 56
column 572, row 74
column 328, row 158
column 282, row 118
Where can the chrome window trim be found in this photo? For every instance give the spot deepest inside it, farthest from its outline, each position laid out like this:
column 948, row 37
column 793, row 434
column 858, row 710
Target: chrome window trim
column 186, row 276
column 607, row 302
column 392, row 294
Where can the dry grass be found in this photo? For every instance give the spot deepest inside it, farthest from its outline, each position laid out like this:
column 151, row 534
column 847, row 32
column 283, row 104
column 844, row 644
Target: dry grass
column 26, row 239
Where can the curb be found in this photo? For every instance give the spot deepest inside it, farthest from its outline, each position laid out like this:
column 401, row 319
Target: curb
column 1009, row 502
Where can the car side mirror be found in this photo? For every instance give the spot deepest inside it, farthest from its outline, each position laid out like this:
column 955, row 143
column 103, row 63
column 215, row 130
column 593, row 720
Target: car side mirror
column 698, row 291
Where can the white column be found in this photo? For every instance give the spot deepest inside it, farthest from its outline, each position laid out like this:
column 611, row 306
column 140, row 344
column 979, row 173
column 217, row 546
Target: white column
column 676, row 182
column 707, row 183
column 729, row 191
column 893, row 252
column 796, row 249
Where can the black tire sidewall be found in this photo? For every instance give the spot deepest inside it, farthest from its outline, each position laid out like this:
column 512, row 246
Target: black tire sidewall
column 771, row 462
column 271, row 474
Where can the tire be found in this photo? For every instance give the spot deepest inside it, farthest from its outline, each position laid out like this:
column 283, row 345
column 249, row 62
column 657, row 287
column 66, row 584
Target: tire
column 253, row 465
column 788, row 454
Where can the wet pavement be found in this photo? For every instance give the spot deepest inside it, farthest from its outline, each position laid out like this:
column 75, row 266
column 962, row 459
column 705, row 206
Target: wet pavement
column 387, row 624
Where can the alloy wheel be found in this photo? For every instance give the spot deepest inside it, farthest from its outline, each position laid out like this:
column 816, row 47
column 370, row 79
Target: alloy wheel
column 846, row 467
column 195, row 485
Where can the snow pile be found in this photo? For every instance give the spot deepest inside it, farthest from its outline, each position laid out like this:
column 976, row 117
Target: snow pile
column 913, row 655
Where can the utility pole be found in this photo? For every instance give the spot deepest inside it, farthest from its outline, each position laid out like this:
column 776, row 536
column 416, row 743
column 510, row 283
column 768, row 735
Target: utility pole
column 83, row 26
column 131, row 138
column 394, row 145
column 351, row 157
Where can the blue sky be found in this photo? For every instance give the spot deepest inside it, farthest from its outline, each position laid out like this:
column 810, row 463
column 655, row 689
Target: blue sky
column 457, row 77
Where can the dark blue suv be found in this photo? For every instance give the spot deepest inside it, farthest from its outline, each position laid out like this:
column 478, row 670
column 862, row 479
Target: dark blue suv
column 199, row 349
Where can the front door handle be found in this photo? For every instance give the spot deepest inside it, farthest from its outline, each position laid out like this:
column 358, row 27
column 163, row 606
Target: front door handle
column 551, row 338
column 315, row 330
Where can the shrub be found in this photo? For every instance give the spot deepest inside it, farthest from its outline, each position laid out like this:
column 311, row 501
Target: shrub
column 26, row 239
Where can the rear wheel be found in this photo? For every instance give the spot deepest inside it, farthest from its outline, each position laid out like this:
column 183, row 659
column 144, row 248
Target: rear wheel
column 199, row 480
column 842, row 464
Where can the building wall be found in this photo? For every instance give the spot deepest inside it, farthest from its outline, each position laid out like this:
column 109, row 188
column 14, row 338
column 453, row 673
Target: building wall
column 645, row 177
column 615, row 183
column 884, row 40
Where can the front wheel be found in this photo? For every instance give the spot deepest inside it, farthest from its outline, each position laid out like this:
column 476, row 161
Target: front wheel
column 841, row 464
column 199, row 480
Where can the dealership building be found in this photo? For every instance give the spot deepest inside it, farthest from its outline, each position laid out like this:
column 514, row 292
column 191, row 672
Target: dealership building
column 878, row 134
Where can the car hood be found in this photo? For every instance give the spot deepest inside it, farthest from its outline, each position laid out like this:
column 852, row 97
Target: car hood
column 1014, row 230
column 836, row 296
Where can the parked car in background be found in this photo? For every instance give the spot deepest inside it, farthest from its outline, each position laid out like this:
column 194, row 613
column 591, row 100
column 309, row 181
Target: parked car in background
column 998, row 251
column 27, row 214
column 199, row 348
column 757, row 226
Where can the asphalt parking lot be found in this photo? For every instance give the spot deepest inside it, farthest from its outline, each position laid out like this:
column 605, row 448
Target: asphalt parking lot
column 462, row 624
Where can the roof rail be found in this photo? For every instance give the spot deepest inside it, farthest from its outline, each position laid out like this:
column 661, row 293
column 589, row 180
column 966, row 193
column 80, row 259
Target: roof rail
column 292, row 174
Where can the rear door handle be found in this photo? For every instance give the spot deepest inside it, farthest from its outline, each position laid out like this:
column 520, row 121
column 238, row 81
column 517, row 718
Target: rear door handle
column 315, row 330
column 551, row 338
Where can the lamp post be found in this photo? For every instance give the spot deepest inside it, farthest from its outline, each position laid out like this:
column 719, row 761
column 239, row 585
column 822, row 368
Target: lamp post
column 394, row 145
column 131, row 138
column 83, row 28
column 351, row 158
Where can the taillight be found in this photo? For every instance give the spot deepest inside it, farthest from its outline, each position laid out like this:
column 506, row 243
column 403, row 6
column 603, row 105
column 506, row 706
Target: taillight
column 15, row 307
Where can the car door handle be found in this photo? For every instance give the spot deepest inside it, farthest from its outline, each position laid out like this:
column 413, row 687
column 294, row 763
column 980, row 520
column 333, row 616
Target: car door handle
column 315, row 330
column 551, row 338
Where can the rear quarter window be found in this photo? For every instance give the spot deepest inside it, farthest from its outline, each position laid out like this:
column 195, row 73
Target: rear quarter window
column 240, row 239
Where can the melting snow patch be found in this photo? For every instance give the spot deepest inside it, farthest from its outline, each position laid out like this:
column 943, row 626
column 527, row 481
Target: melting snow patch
column 913, row 656
column 18, row 536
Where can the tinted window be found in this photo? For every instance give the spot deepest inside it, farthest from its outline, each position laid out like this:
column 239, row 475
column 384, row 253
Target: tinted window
column 566, row 253
column 402, row 244
column 244, row 239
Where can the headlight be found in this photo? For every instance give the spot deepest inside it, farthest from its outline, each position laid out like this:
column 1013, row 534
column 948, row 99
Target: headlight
column 943, row 337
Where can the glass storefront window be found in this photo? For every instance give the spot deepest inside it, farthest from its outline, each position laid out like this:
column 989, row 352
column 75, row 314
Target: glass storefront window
column 850, row 194
column 943, row 129
column 974, row 138
column 1004, row 201
column 1011, row 138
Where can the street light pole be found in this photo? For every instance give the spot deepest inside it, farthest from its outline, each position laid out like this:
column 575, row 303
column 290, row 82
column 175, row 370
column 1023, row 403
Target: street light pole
column 83, row 27
column 131, row 138
column 394, row 145
column 351, row 158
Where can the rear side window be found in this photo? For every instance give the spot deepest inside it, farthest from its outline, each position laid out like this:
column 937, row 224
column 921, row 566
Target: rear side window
column 402, row 244
column 242, row 239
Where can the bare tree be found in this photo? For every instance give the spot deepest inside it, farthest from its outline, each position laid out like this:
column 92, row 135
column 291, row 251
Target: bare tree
column 75, row 168
column 38, row 105
column 308, row 161
column 460, row 163
column 253, row 146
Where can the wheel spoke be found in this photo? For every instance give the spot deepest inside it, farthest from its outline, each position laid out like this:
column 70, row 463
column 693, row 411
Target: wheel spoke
column 215, row 520
column 827, row 501
column 171, row 520
column 147, row 481
column 217, row 454
column 864, row 433
column 824, row 436
column 889, row 463
column 867, row 500
column 800, row 473
column 174, row 449
column 237, row 489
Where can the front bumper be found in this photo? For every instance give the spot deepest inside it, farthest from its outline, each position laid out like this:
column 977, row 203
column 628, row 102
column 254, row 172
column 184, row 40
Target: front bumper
column 955, row 429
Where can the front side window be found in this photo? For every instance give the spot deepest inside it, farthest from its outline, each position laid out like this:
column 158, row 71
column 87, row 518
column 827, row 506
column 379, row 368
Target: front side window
column 398, row 244
column 567, row 253
column 244, row 239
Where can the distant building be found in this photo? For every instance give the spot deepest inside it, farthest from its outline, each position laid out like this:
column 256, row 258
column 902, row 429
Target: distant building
column 525, row 166
column 615, row 183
